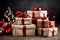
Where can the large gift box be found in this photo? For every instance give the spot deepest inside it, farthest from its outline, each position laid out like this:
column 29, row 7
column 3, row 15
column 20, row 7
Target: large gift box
column 33, row 14
column 23, row 21
column 43, row 13
column 42, row 23
column 52, row 23
column 48, row 32
column 23, row 30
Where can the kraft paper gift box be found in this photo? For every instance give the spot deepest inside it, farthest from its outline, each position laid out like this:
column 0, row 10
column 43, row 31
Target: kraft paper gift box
column 43, row 13
column 52, row 23
column 23, row 21
column 33, row 14
column 42, row 23
column 23, row 30
column 48, row 32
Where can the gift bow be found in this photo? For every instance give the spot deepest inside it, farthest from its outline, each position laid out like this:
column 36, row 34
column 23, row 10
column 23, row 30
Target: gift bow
column 33, row 9
column 21, row 14
column 25, row 15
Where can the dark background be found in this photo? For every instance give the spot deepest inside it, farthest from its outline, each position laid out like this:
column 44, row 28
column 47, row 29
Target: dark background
column 24, row 5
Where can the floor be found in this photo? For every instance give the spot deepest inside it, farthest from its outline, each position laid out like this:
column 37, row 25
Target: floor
column 9, row 37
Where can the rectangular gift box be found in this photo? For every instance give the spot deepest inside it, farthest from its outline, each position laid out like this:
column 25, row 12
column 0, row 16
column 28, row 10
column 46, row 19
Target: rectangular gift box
column 23, row 30
column 33, row 14
column 48, row 32
column 43, row 13
column 42, row 23
column 23, row 21
column 52, row 23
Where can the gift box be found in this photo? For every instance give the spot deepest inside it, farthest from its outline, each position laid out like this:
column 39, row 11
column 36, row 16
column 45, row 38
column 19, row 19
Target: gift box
column 23, row 30
column 42, row 23
column 33, row 14
column 43, row 13
column 23, row 21
column 48, row 32
column 52, row 23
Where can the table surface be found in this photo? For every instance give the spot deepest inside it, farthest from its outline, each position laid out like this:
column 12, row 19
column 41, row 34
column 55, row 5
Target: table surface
column 10, row 37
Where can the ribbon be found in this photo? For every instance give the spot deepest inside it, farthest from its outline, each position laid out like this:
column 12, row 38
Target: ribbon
column 19, row 14
column 40, row 8
column 43, row 24
column 24, row 30
column 53, row 33
column 33, row 13
column 23, row 21
column 41, row 32
column 50, row 25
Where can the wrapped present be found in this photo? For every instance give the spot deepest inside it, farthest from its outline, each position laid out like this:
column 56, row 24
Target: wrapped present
column 42, row 23
column 52, row 24
column 23, row 20
column 43, row 13
column 48, row 32
column 33, row 14
column 23, row 30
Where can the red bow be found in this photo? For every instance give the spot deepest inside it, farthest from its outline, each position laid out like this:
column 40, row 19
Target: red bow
column 33, row 9
column 19, row 14
column 40, row 8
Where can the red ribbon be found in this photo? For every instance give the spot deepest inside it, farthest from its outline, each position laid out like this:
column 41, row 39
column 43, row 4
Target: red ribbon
column 43, row 24
column 23, row 21
column 24, row 30
column 53, row 33
column 41, row 32
column 33, row 13
column 50, row 25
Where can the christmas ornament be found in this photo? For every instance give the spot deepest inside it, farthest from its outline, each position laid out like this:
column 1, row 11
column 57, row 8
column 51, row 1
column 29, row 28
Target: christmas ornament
column 9, row 15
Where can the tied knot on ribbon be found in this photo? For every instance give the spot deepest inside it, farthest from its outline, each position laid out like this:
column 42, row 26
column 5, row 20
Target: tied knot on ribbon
column 19, row 14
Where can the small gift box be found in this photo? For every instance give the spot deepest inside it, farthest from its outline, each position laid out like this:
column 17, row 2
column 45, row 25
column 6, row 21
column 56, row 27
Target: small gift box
column 33, row 14
column 42, row 23
column 48, row 32
column 23, row 30
column 23, row 21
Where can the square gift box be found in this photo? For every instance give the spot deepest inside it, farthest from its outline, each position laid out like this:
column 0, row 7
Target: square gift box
column 22, row 21
column 33, row 14
column 48, row 32
column 42, row 23
column 23, row 30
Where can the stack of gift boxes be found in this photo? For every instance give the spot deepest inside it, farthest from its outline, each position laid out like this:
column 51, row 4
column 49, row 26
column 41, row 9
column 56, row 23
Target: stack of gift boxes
column 23, row 25
column 44, row 26
column 33, row 21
